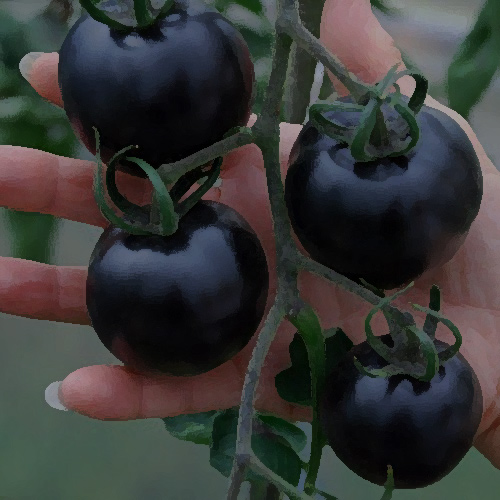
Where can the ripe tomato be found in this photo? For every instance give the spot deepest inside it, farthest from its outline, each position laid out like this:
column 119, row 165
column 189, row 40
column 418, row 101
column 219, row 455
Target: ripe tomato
column 386, row 221
column 181, row 304
column 422, row 429
column 173, row 90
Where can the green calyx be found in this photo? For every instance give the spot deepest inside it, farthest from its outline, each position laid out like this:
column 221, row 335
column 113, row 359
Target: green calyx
column 163, row 215
column 414, row 352
column 142, row 11
column 374, row 137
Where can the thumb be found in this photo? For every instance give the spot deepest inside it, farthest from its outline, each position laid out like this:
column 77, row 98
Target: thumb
column 350, row 30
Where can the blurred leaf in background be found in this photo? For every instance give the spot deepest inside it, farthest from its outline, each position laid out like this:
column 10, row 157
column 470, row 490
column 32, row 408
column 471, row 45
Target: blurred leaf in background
column 25, row 118
column 476, row 62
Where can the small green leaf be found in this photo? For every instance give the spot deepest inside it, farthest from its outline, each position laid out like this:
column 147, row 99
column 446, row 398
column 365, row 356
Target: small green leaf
column 476, row 61
column 272, row 449
column 223, row 444
column 278, row 457
column 294, row 383
column 296, row 437
column 196, row 428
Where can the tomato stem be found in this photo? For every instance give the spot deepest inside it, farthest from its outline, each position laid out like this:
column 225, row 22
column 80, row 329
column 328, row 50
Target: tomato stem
column 307, row 323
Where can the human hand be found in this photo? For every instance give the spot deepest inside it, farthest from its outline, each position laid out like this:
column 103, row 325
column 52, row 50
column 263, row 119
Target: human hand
column 39, row 182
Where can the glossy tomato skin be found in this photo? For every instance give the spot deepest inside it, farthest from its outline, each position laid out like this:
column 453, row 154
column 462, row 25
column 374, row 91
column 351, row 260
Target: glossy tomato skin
column 422, row 429
column 385, row 221
column 172, row 90
column 182, row 304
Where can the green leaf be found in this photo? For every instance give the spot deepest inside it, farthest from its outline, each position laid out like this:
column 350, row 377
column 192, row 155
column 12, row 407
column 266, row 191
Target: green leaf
column 223, row 444
column 273, row 450
column 196, row 428
column 295, row 436
column 294, row 383
column 278, row 457
column 476, row 61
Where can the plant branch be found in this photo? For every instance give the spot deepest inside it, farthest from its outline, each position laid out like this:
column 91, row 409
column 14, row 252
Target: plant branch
column 246, row 414
column 221, row 148
column 290, row 23
column 267, row 137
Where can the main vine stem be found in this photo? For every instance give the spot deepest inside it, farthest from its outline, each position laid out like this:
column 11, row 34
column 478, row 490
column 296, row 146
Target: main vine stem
column 287, row 305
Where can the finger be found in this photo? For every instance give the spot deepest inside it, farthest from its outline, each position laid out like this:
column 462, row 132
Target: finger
column 118, row 393
column 35, row 181
column 42, row 291
column 353, row 33
column 40, row 70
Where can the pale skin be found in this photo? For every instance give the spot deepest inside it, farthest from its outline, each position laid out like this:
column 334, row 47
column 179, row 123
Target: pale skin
column 35, row 181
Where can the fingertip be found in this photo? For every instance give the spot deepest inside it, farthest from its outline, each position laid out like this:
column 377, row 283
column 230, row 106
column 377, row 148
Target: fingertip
column 41, row 71
column 100, row 392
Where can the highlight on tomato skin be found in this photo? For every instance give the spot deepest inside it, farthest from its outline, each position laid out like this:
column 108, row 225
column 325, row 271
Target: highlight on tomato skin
column 182, row 304
column 386, row 221
column 173, row 90
column 422, row 429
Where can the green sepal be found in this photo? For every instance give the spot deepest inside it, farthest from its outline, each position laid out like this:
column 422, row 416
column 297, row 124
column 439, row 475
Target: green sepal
column 168, row 218
column 449, row 352
column 431, row 321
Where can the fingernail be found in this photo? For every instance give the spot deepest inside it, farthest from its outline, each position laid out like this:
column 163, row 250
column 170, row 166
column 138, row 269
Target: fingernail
column 53, row 396
column 26, row 64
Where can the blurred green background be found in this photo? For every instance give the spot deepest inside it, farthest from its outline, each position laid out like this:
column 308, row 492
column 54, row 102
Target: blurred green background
column 48, row 454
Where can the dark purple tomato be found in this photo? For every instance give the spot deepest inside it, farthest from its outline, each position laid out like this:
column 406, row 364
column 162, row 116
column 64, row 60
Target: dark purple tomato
column 173, row 90
column 422, row 429
column 182, row 304
column 386, row 221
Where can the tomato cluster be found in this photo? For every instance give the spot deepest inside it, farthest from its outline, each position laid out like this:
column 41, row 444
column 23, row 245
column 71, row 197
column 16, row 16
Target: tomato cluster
column 185, row 303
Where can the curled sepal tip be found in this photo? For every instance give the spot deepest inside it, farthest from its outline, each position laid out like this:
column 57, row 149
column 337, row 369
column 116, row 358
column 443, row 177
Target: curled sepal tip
column 105, row 209
column 184, row 206
column 449, row 352
column 377, row 345
column 386, row 371
column 168, row 218
column 431, row 321
column 429, row 351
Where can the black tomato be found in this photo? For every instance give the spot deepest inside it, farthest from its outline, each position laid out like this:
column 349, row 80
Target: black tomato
column 173, row 90
column 422, row 429
column 385, row 221
column 182, row 304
